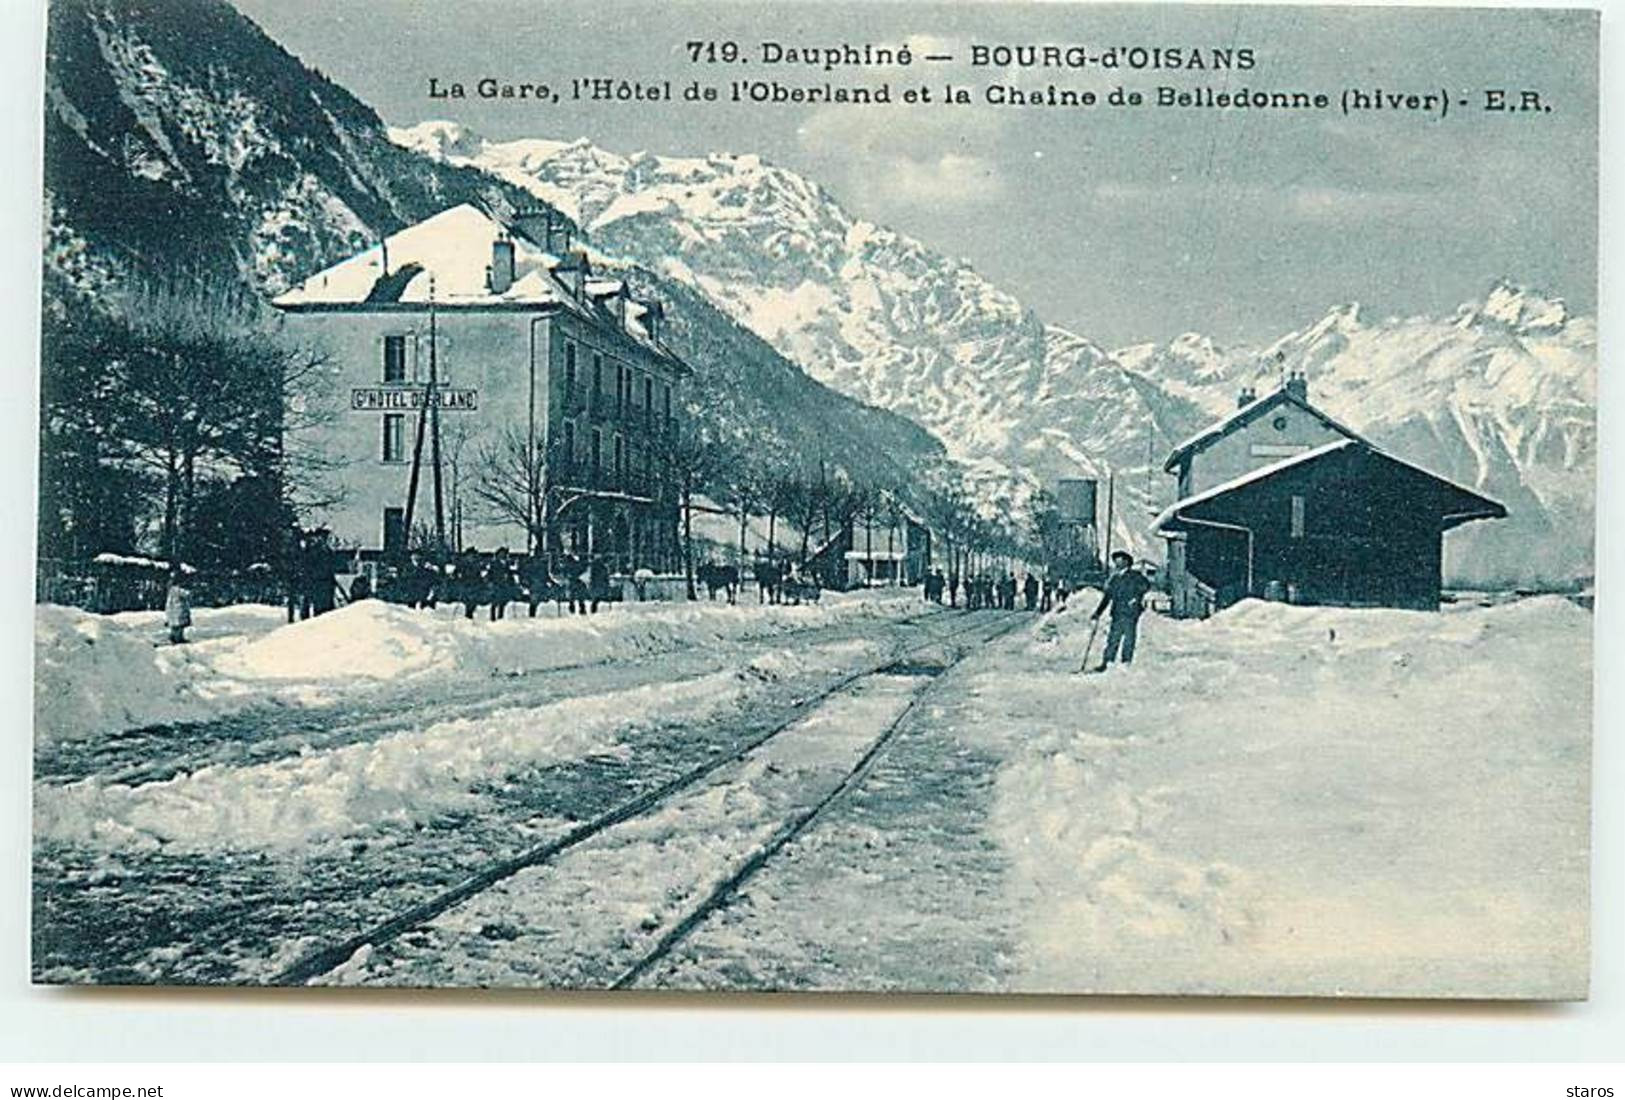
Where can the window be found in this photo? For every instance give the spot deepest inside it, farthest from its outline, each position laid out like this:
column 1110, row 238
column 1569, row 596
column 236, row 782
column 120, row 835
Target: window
column 620, row 389
column 569, row 443
column 648, row 399
column 394, row 530
column 597, row 450
column 569, row 369
column 620, row 459
column 394, row 437
column 1279, row 423
column 1297, row 517
column 597, row 380
column 395, row 359
column 668, row 404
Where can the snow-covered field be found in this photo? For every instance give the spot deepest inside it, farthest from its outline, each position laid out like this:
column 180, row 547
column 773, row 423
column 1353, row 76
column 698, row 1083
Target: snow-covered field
column 1297, row 800
column 100, row 674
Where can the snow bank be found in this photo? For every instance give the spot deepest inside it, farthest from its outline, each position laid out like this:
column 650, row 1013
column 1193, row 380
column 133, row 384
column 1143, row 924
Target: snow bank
column 96, row 675
column 405, row 778
column 99, row 674
column 379, row 641
column 1297, row 800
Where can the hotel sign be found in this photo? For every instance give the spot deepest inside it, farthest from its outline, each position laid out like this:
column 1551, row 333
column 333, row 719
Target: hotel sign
column 404, row 399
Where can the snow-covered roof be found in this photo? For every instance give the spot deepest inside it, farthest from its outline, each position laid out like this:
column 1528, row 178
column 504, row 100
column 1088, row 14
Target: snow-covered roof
column 1245, row 415
column 1490, row 508
column 452, row 250
column 447, row 258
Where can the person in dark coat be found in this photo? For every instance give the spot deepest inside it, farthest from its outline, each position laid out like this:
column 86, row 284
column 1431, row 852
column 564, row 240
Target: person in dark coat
column 320, row 574
column 597, row 583
column 293, row 575
column 1029, row 590
column 576, row 576
column 1124, row 594
column 467, row 583
column 360, row 589
column 536, row 581
column 501, row 582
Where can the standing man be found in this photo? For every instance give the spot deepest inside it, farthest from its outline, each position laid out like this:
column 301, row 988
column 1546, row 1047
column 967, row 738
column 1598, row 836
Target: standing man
column 1125, row 590
column 598, row 582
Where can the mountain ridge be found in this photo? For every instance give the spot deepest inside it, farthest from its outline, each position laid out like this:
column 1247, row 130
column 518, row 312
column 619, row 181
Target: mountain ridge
column 1499, row 396
column 180, row 139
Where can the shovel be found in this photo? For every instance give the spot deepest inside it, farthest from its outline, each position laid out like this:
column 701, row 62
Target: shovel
column 1094, row 628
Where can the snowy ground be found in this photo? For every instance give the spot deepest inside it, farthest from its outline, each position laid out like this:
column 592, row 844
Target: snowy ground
column 1279, row 800
column 1299, row 800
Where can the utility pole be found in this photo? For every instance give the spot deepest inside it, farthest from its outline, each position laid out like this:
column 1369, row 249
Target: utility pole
column 1111, row 493
column 1150, row 463
column 434, row 424
column 417, row 466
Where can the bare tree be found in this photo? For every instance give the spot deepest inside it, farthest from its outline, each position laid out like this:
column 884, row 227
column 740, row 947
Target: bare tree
column 690, row 457
column 511, row 483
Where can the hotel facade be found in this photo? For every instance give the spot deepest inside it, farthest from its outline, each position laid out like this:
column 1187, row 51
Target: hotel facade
column 463, row 352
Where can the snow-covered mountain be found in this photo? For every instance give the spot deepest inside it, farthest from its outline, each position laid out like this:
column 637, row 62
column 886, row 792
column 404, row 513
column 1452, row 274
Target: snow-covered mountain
column 862, row 308
column 1500, row 396
column 182, row 142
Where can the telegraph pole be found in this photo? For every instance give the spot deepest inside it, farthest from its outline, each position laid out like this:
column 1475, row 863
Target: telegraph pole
column 433, row 403
column 1111, row 493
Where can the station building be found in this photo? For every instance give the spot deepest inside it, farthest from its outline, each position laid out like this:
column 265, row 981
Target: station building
column 471, row 329
column 1281, row 501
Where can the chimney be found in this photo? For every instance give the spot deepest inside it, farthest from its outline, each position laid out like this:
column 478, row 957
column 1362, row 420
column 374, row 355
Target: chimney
column 1246, row 397
column 576, row 265
column 540, row 226
column 501, row 274
column 1297, row 385
column 621, row 297
column 653, row 313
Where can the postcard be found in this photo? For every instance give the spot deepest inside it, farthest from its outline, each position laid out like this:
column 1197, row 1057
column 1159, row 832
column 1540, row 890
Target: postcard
column 857, row 497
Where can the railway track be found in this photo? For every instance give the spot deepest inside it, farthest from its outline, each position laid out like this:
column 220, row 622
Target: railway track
column 904, row 660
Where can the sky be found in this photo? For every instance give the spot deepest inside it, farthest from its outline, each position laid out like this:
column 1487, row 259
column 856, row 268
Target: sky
column 1123, row 224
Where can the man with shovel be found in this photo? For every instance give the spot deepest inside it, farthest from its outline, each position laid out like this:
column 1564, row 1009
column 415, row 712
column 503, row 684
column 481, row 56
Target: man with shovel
column 1124, row 594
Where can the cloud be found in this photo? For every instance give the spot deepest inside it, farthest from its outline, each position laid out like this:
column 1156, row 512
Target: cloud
column 909, row 155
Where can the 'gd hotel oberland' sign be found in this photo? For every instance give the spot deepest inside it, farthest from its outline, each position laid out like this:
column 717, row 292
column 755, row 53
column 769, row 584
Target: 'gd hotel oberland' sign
column 410, row 400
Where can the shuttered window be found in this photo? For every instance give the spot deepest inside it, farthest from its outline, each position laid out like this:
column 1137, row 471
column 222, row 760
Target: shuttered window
column 394, row 437
column 394, row 358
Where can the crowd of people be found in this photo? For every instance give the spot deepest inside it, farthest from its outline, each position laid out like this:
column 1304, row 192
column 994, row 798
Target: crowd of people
column 1000, row 592
column 1123, row 597
column 493, row 581
column 499, row 579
